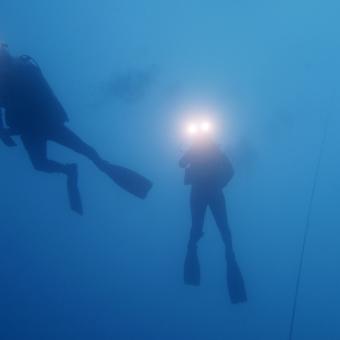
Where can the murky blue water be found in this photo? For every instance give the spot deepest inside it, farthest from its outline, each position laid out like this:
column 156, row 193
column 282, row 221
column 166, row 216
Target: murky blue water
column 124, row 70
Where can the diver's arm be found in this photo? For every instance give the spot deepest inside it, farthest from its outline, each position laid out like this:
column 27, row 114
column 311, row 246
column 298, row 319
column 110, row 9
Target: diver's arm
column 5, row 133
column 1, row 117
column 229, row 166
column 185, row 160
column 3, row 129
column 2, row 103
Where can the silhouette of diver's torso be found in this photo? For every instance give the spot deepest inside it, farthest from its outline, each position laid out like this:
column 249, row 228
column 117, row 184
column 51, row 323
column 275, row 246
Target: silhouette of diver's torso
column 206, row 168
column 28, row 99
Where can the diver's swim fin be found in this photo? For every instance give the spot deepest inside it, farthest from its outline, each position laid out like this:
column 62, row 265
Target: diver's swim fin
column 127, row 179
column 192, row 272
column 237, row 290
column 73, row 191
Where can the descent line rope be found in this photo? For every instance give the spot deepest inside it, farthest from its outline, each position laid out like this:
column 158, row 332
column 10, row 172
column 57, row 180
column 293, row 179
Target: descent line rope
column 308, row 227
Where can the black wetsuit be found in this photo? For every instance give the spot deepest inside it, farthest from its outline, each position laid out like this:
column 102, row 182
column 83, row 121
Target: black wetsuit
column 208, row 171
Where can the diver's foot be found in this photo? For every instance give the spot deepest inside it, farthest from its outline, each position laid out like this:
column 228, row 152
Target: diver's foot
column 236, row 286
column 72, row 188
column 192, row 272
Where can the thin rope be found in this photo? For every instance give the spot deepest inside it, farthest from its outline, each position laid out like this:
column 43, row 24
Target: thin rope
column 307, row 228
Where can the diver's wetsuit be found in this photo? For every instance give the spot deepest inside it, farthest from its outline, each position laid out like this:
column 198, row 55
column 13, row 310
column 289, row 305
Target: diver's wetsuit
column 208, row 171
column 33, row 112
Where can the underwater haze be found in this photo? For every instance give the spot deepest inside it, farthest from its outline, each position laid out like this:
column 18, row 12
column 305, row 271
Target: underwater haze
column 126, row 71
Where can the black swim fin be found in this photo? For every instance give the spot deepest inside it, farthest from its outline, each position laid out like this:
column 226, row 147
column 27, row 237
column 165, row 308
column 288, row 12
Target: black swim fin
column 192, row 271
column 73, row 190
column 127, row 179
column 236, row 286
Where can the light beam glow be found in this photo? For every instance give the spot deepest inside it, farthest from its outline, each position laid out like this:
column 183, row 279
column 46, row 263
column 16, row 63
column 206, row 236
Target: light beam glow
column 199, row 128
column 205, row 127
column 192, row 129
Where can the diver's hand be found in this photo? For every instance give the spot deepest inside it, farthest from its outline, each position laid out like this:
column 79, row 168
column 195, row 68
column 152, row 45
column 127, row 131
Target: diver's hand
column 5, row 136
column 184, row 162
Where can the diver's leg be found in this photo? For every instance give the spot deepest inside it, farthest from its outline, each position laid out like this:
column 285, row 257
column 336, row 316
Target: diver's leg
column 236, row 287
column 64, row 136
column 198, row 206
column 218, row 208
column 36, row 147
column 192, row 274
column 127, row 179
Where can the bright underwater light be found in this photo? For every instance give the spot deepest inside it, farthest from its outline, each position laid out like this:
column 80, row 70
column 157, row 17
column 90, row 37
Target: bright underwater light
column 199, row 128
column 192, row 129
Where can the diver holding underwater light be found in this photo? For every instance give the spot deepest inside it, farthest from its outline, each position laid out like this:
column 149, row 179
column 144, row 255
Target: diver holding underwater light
column 34, row 113
column 208, row 171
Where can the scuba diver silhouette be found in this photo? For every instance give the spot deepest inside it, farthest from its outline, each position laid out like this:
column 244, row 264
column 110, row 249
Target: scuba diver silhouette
column 208, row 171
column 33, row 112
